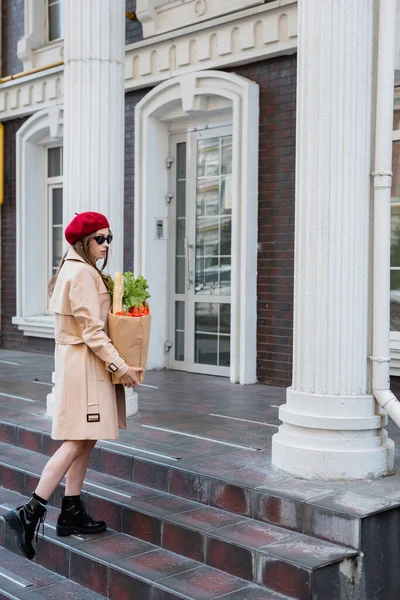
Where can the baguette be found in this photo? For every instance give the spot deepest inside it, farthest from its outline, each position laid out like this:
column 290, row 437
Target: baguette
column 118, row 292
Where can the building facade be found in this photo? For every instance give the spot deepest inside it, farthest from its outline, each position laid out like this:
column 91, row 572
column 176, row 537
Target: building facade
column 198, row 180
column 218, row 233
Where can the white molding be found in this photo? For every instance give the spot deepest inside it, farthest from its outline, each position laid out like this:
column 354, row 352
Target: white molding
column 164, row 16
column 33, row 49
column 32, row 139
column 35, row 32
column 21, row 97
column 247, row 36
column 42, row 326
column 192, row 95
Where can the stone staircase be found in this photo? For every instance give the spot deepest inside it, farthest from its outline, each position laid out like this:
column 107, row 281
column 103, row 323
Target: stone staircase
column 175, row 533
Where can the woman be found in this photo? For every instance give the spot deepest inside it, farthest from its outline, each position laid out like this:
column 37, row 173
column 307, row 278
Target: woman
column 88, row 406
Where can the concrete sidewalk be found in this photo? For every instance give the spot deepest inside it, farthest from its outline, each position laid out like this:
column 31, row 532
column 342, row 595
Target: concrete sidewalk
column 187, row 416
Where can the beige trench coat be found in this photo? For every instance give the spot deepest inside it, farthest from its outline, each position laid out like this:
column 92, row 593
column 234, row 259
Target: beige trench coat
column 85, row 357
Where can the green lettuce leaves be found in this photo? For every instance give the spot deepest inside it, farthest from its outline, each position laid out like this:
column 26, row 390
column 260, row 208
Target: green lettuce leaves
column 135, row 291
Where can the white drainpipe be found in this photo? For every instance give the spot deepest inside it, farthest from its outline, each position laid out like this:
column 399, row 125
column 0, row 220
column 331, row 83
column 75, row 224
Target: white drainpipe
column 382, row 178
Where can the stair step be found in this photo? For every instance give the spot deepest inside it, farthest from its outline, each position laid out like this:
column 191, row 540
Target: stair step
column 236, row 545
column 119, row 566
column 20, row 578
column 331, row 513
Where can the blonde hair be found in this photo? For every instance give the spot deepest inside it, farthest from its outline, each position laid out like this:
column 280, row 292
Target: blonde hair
column 81, row 247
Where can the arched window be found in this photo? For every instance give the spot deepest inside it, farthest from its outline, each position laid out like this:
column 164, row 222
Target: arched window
column 39, row 217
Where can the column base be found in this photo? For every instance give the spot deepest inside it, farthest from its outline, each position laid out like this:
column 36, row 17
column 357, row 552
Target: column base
column 332, row 437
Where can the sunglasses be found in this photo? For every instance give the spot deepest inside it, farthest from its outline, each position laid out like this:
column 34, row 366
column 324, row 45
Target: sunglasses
column 100, row 239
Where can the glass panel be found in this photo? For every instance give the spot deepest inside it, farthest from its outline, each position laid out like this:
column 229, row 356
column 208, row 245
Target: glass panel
column 180, row 315
column 396, row 172
column 181, row 160
column 224, row 351
column 225, row 276
column 226, row 195
column 206, row 317
column 207, row 236
column 226, row 159
column 57, row 206
column 395, row 300
column 180, row 237
column 55, row 20
column 57, row 247
column 206, row 274
column 395, row 237
column 179, row 330
column 207, row 202
column 225, row 318
column 180, row 261
column 208, row 157
column 226, row 236
column 179, row 345
column 54, row 162
column 206, row 349
column 180, row 276
column 396, row 120
column 181, row 199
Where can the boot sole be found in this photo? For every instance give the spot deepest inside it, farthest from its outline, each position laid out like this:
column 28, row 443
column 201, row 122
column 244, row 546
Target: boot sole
column 14, row 523
column 65, row 531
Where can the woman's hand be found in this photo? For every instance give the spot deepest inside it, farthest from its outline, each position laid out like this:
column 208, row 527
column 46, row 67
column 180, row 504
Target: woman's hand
column 130, row 378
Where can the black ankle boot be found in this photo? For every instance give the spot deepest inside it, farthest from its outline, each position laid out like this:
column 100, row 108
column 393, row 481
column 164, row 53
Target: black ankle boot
column 74, row 518
column 23, row 521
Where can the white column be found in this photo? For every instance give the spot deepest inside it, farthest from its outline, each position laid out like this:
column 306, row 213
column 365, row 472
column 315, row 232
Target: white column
column 94, row 104
column 331, row 428
column 94, row 101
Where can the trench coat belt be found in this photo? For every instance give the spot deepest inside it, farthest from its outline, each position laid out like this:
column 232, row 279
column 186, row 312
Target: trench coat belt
column 68, row 340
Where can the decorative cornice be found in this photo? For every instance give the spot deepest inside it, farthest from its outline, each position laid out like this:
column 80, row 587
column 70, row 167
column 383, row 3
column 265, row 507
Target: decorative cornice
column 246, row 36
column 24, row 96
column 163, row 16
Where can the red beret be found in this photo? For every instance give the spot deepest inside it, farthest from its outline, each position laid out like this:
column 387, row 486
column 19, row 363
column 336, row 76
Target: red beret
column 84, row 224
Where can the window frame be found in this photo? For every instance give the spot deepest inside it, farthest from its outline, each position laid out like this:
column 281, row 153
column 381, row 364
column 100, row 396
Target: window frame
column 52, row 183
column 44, row 129
column 48, row 4
column 34, row 49
column 395, row 335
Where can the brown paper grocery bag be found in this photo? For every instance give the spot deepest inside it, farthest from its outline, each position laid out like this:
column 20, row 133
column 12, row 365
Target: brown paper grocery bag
column 131, row 336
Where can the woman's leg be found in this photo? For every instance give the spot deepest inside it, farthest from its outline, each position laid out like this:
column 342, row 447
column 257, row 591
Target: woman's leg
column 24, row 519
column 73, row 517
column 77, row 471
column 58, row 465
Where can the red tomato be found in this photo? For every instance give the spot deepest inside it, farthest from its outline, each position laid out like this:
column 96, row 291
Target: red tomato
column 120, row 313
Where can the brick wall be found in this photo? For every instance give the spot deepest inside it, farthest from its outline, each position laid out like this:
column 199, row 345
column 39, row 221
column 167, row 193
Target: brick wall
column 10, row 336
column 277, row 81
column 133, row 29
column 12, row 30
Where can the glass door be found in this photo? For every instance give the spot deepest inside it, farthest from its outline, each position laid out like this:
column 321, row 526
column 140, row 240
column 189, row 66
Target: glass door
column 201, row 252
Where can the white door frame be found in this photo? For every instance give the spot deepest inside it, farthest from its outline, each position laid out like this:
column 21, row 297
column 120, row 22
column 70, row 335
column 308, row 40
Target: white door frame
column 191, row 138
column 203, row 94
